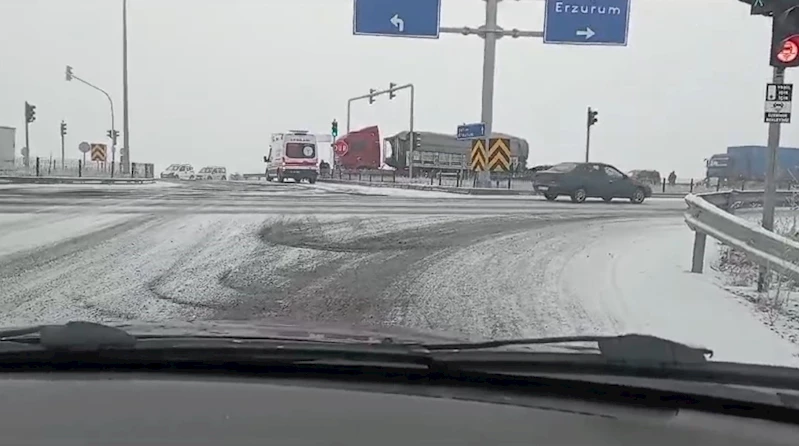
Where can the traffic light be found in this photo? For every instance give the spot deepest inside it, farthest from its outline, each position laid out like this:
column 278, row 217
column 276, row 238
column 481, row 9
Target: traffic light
column 417, row 141
column 113, row 134
column 69, row 73
column 30, row 112
column 334, row 128
column 371, row 95
column 785, row 34
column 592, row 119
column 63, row 128
column 760, row 7
column 391, row 93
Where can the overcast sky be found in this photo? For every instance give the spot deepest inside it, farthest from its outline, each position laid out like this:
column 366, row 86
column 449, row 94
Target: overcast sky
column 211, row 79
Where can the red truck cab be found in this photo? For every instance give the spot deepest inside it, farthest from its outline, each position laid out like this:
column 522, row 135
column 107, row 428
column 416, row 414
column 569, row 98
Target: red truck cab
column 363, row 150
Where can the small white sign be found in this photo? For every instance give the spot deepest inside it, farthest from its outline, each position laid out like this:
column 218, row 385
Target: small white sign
column 777, row 108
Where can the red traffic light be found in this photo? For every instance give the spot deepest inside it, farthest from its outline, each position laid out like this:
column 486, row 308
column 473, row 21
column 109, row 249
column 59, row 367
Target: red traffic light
column 790, row 49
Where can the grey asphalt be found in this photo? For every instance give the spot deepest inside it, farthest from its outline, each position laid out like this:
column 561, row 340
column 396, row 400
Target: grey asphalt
column 237, row 250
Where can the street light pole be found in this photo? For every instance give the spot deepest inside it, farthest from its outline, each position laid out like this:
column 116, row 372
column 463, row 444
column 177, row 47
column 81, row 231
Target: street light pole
column 71, row 76
column 125, row 115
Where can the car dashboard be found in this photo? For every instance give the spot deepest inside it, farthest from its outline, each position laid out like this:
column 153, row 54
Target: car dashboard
column 160, row 408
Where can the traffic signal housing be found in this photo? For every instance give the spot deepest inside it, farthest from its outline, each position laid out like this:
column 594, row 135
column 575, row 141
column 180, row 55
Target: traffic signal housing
column 113, row 135
column 371, row 95
column 592, row 117
column 68, row 73
column 63, row 128
column 417, row 141
column 334, row 128
column 785, row 34
column 30, row 112
column 391, row 93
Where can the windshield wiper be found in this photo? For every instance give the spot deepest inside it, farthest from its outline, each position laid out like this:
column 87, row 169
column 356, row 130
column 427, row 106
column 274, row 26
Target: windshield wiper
column 78, row 335
column 623, row 348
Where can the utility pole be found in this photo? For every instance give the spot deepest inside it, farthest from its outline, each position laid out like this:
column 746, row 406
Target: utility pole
column 392, row 89
column 125, row 115
column 592, row 119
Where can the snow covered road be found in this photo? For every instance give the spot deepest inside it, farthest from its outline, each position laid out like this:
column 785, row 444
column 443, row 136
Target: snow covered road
column 499, row 267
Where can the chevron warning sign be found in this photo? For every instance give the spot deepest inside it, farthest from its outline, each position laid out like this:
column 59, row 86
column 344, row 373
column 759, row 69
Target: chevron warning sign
column 499, row 154
column 477, row 159
column 98, row 152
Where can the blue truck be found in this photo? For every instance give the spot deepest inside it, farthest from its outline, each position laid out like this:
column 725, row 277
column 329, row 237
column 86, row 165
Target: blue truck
column 749, row 163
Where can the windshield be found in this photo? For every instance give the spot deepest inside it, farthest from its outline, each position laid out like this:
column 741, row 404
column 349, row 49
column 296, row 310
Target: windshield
column 412, row 186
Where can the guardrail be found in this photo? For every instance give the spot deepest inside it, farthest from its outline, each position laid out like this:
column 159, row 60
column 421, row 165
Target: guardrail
column 712, row 214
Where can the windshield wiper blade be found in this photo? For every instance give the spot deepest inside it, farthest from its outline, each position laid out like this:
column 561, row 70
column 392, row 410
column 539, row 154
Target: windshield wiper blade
column 625, row 348
column 77, row 335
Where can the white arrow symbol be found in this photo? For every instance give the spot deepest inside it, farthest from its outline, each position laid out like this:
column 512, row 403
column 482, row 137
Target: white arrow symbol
column 398, row 22
column 587, row 32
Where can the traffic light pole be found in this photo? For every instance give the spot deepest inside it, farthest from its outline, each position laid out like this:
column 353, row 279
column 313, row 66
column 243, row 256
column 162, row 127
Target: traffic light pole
column 63, row 164
column 393, row 90
column 770, row 193
column 113, row 122
column 587, row 141
column 26, row 159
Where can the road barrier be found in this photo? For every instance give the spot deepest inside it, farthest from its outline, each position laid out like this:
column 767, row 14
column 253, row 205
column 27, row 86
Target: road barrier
column 712, row 214
column 519, row 183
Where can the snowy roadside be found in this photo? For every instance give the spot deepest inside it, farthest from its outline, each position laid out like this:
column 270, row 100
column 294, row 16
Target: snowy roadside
column 589, row 277
column 778, row 308
column 80, row 186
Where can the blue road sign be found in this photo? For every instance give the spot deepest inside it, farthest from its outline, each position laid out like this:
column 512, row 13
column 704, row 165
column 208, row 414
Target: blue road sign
column 471, row 131
column 587, row 22
column 397, row 18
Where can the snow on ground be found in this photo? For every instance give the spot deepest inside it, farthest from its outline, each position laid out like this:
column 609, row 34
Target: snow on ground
column 23, row 232
column 387, row 191
column 83, row 186
column 589, row 278
column 779, row 306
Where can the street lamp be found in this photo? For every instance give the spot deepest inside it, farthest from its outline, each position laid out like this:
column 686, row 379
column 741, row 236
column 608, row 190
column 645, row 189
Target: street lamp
column 70, row 76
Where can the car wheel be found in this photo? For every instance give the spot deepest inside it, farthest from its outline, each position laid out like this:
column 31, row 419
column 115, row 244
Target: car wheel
column 638, row 196
column 551, row 197
column 578, row 196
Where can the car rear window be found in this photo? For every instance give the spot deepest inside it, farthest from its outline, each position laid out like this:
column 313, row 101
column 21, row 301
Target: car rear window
column 563, row 167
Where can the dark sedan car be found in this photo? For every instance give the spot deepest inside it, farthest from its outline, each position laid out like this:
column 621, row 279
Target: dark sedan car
column 589, row 180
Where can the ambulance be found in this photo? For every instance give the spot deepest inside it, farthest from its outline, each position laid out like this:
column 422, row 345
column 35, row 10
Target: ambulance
column 292, row 155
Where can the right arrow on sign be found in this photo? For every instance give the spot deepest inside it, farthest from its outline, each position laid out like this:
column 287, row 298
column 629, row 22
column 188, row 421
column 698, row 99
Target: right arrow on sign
column 587, row 33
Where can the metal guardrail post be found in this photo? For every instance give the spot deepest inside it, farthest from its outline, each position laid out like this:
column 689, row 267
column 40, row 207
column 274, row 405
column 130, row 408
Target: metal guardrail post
column 698, row 259
column 37, row 166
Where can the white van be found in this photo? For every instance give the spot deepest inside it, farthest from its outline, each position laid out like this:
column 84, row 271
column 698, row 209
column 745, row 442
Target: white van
column 292, row 155
column 212, row 173
column 179, row 171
